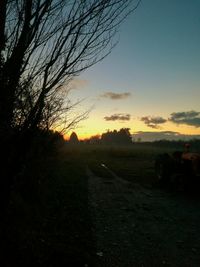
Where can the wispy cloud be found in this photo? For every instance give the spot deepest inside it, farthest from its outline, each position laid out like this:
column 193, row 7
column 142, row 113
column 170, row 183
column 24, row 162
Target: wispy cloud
column 78, row 83
column 118, row 117
column 116, row 96
column 191, row 118
column 153, row 122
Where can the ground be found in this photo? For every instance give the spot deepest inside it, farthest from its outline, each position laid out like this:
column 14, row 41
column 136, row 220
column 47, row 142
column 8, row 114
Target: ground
column 140, row 224
column 94, row 206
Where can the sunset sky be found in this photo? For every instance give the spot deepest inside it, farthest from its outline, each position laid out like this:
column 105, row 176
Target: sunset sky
column 151, row 80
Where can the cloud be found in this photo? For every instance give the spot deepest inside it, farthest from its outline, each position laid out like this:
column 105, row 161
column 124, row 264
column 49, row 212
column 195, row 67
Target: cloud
column 163, row 135
column 153, row 122
column 115, row 96
column 78, row 83
column 118, row 117
column 191, row 118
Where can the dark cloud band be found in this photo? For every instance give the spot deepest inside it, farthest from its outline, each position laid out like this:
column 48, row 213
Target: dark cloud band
column 116, row 96
column 153, row 122
column 191, row 118
column 118, row 117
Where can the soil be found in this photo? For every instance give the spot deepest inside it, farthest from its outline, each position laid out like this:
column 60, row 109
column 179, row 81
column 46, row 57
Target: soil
column 138, row 225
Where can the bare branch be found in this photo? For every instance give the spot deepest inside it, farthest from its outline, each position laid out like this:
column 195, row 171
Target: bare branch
column 49, row 43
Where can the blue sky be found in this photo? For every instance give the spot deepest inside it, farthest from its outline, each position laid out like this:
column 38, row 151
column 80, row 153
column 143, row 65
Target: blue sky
column 157, row 62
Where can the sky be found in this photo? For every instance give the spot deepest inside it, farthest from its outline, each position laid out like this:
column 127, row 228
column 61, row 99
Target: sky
column 151, row 80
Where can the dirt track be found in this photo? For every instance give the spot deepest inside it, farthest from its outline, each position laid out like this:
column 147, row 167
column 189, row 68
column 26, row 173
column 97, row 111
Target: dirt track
column 140, row 226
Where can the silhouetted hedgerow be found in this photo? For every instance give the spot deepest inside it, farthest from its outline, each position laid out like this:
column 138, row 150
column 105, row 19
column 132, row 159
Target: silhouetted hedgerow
column 121, row 137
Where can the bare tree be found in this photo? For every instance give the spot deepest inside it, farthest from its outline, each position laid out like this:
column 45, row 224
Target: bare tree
column 44, row 44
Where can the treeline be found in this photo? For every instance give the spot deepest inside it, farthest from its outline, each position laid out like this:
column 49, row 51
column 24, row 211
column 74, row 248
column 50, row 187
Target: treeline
column 123, row 137
column 120, row 137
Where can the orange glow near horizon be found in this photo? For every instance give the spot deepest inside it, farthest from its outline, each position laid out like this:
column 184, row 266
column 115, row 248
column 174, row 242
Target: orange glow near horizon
column 90, row 128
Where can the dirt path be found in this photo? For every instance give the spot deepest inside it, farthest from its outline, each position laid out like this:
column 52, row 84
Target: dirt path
column 143, row 226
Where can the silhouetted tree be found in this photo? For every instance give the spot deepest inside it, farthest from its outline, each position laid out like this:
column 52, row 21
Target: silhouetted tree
column 73, row 139
column 121, row 137
column 95, row 139
column 44, row 44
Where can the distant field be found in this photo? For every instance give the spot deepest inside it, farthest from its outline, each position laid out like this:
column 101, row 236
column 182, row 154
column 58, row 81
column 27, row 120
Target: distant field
column 134, row 163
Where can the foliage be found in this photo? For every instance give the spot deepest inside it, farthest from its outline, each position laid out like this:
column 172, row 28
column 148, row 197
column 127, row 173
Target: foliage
column 73, row 139
column 120, row 137
column 95, row 139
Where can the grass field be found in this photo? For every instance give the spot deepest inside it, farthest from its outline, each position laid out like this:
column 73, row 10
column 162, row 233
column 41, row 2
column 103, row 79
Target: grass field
column 49, row 221
column 134, row 163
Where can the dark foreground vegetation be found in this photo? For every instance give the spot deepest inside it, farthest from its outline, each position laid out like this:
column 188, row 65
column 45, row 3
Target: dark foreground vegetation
column 44, row 45
column 47, row 221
